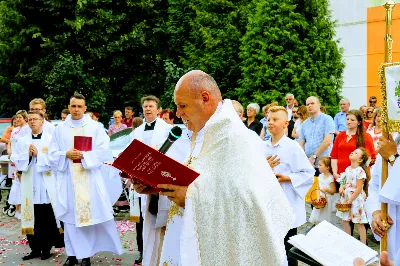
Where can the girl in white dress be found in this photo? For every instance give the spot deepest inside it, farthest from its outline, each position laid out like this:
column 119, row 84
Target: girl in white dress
column 354, row 189
column 326, row 184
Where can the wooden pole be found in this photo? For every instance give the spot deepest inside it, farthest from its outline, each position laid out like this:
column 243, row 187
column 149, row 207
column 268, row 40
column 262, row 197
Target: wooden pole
column 389, row 5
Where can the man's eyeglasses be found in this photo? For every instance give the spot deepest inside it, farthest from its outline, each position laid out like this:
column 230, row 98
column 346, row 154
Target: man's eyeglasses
column 370, row 112
column 372, row 101
column 33, row 119
column 36, row 109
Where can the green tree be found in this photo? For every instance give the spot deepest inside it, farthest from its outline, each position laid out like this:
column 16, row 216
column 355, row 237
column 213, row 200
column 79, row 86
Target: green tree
column 289, row 47
column 207, row 36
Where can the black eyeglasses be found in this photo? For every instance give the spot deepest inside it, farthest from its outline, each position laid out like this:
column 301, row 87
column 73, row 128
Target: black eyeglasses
column 370, row 112
column 372, row 101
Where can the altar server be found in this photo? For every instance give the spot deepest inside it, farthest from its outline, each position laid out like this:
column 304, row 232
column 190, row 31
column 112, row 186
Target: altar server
column 294, row 172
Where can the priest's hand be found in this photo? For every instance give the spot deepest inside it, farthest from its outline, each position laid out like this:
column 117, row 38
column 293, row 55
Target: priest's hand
column 384, row 260
column 283, row 178
column 74, row 154
column 33, row 150
column 273, row 160
column 143, row 189
column 387, row 147
column 377, row 224
column 174, row 193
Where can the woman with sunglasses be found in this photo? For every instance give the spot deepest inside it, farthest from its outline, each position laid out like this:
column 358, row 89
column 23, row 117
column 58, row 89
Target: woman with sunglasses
column 369, row 117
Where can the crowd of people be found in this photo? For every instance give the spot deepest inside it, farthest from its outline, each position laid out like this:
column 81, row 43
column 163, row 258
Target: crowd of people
column 254, row 177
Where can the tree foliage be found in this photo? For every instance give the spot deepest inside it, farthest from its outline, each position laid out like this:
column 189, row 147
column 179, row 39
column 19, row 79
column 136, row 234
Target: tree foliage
column 289, row 47
column 115, row 52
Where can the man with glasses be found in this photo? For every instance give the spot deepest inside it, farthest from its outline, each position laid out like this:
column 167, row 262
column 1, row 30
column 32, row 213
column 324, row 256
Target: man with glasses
column 38, row 104
column 340, row 118
column 372, row 101
column 289, row 105
column 292, row 121
column 38, row 190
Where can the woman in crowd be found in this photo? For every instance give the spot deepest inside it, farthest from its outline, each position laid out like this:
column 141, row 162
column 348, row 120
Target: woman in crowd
column 368, row 116
column 5, row 138
column 251, row 122
column 168, row 116
column 347, row 141
column 117, row 126
column 302, row 114
column 375, row 129
column 21, row 118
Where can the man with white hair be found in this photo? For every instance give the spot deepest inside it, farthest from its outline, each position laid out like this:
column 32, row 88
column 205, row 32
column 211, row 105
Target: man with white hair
column 316, row 133
column 289, row 105
column 340, row 118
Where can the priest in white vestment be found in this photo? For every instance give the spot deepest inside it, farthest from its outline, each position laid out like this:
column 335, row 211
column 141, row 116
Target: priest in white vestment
column 235, row 212
column 85, row 195
column 154, row 209
column 37, row 190
column 389, row 193
column 294, row 171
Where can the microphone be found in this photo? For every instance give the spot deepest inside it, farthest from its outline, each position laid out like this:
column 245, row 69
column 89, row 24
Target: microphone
column 174, row 134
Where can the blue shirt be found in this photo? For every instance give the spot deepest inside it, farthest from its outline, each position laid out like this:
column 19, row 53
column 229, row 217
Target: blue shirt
column 340, row 122
column 313, row 131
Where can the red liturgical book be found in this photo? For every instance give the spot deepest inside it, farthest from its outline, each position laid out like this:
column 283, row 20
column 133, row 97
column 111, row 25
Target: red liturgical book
column 82, row 143
column 150, row 167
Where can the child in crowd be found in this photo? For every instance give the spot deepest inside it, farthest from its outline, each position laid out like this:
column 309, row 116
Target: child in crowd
column 353, row 190
column 326, row 184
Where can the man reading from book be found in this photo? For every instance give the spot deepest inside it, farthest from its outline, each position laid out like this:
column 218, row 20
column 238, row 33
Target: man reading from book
column 77, row 152
column 235, row 212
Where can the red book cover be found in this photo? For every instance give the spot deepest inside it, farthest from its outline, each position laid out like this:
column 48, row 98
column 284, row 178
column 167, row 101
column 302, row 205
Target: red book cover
column 152, row 168
column 82, row 143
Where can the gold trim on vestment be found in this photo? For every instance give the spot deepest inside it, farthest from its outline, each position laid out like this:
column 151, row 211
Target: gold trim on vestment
column 392, row 125
column 162, row 234
column 134, row 219
column 27, row 231
column 173, row 210
column 82, row 197
column 80, row 181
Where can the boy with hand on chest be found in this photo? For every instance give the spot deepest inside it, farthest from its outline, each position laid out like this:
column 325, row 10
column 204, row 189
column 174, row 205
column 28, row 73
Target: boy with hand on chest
column 294, row 171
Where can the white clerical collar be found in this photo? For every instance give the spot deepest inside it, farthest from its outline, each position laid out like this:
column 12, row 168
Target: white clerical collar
column 37, row 136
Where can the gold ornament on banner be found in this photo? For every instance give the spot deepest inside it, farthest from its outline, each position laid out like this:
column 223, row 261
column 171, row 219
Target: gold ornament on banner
column 388, row 125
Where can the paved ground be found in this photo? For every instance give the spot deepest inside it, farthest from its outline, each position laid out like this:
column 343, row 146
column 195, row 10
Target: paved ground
column 13, row 245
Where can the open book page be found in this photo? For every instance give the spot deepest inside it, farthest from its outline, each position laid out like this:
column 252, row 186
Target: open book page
column 331, row 246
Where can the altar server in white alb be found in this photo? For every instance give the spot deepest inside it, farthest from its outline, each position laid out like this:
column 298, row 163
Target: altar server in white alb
column 154, row 209
column 38, row 104
column 389, row 193
column 294, row 172
column 84, row 193
column 38, row 190
column 233, row 213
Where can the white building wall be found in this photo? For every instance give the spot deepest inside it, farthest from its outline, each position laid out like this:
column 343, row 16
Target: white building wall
column 351, row 16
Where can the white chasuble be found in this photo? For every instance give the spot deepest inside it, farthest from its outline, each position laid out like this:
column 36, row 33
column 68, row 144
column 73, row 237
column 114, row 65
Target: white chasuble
column 235, row 212
column 390, row 193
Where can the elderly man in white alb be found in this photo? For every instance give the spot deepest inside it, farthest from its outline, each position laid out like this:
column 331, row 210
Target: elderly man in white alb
column 154, row 209
column 85, row 195
column 233, row 213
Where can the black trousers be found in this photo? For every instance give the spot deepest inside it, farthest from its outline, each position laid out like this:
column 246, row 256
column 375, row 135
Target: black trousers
column 288, row 246
column 139, row 230
column 46, row 234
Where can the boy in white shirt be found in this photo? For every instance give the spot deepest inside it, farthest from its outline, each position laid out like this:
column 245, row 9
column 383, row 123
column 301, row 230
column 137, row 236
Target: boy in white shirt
column 294, row 171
